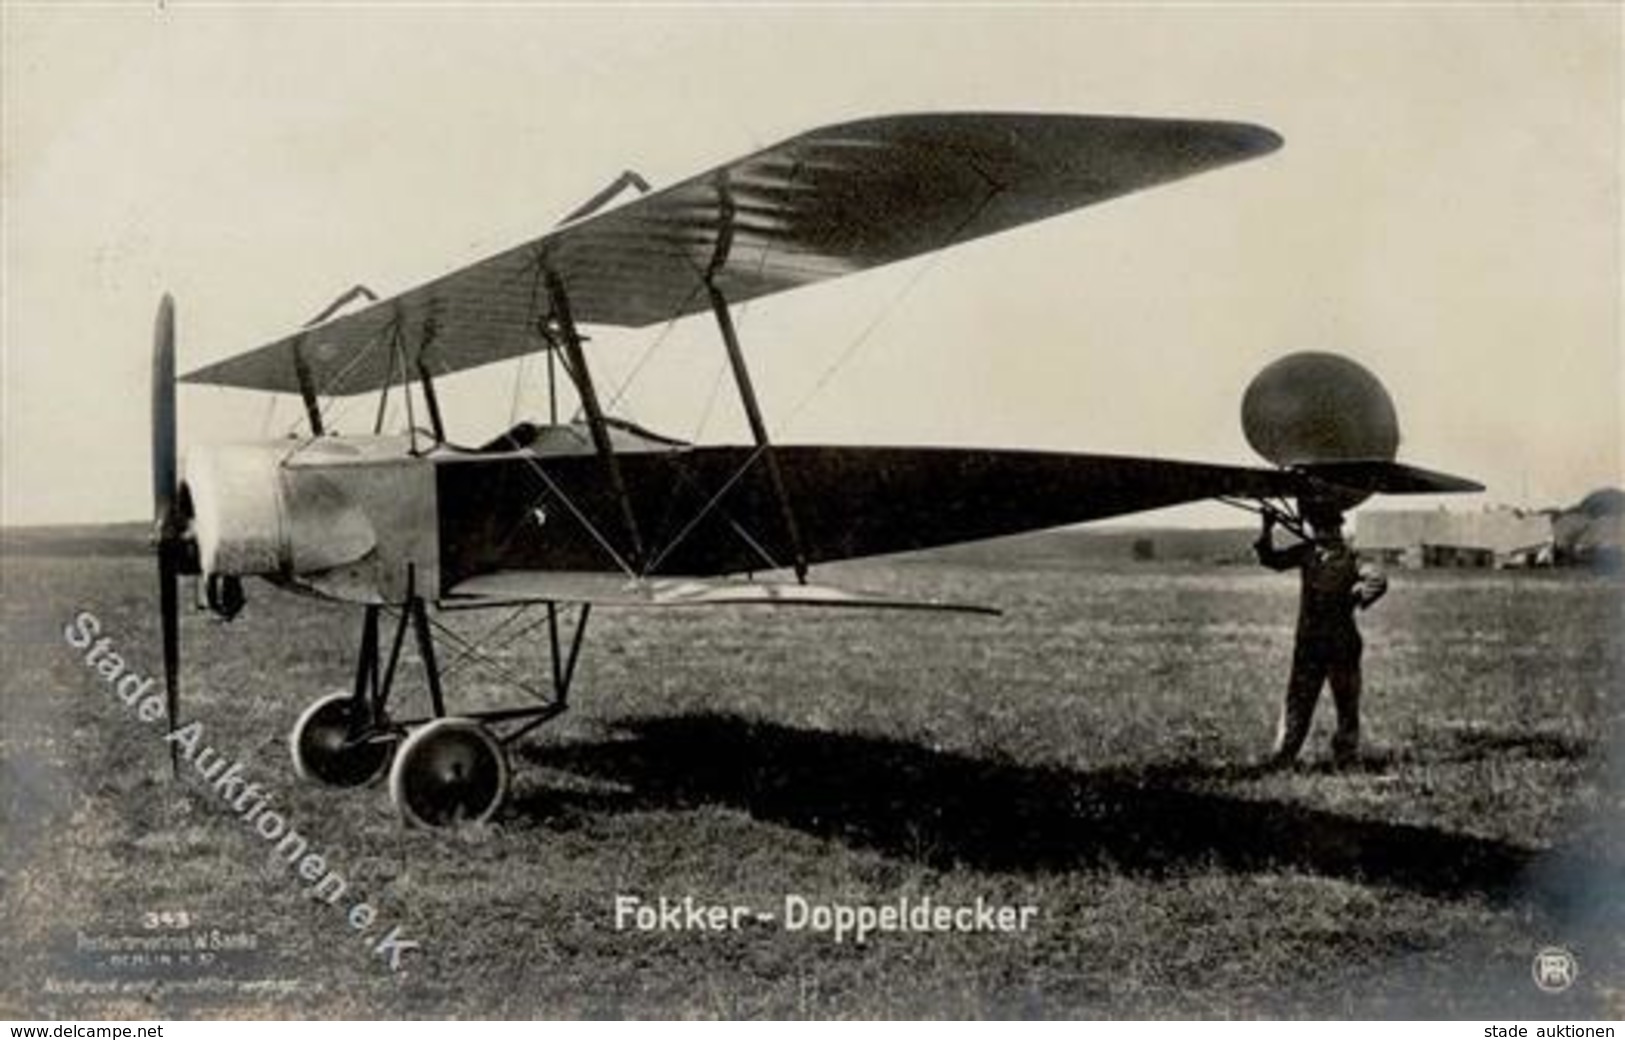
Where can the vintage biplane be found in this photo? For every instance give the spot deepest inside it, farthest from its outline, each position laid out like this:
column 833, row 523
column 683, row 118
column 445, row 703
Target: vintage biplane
column 560, row 517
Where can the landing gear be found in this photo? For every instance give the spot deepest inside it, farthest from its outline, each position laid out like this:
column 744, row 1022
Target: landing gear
column 331, row 746
column 452, row 771
column 448, row 770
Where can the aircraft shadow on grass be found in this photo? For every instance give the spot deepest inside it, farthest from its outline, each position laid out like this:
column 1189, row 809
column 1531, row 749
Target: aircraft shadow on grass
column 947, row 809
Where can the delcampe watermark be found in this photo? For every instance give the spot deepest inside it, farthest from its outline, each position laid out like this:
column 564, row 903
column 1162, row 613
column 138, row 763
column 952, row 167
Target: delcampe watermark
column 226, row 778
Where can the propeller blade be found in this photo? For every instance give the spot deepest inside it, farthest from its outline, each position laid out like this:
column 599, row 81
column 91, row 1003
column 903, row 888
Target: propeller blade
column 163, row 413
column 169, row 611
column 165, row 514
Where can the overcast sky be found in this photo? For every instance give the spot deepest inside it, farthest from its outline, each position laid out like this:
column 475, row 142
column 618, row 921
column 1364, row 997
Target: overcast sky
column 1445, row 210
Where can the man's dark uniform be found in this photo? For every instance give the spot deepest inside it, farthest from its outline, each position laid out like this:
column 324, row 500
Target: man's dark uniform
column 1328, row 643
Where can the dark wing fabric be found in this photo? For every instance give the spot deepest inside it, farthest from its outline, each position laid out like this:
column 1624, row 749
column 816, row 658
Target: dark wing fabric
column 826, row 203
column 710, row 511
column 1380, row 476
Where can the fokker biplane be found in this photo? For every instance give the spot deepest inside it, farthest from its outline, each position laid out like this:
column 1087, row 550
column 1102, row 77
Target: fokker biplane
column 561, row 517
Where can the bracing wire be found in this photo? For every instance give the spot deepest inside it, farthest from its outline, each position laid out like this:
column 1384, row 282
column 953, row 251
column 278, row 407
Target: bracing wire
column 642, row 361
column 270, row 415
column 458, row 640
column 518, row 388
column 886, row 312
column 710, row 401
column 331, row 408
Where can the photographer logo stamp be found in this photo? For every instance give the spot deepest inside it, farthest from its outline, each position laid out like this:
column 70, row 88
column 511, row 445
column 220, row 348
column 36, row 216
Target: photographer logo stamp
column 1555, row 969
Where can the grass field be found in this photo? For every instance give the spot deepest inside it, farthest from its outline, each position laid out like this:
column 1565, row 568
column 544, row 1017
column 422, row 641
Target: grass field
column 1087, row 753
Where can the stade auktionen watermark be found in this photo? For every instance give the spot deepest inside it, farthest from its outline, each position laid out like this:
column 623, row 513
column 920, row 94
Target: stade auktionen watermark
column 228, row 780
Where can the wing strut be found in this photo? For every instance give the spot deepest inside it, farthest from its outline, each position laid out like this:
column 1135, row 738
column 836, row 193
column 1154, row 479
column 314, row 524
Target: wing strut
column 736, row 359
column 758, row 429
column 307, row 389
column 575, row 363
column 301, row 366
column 627, row 179
column 433, row 402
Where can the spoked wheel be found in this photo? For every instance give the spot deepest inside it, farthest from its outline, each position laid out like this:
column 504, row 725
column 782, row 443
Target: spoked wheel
column 325, row 748
column 452, row 771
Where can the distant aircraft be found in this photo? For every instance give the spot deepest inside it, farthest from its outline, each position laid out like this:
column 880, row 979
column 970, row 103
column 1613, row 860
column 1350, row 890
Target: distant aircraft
column 1591, row 532
column 601, row 512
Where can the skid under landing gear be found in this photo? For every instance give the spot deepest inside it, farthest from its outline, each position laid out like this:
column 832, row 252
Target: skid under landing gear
column 444, row 770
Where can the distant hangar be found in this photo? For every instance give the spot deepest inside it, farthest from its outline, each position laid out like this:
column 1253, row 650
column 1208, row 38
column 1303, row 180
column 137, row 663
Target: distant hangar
column 1589, row 534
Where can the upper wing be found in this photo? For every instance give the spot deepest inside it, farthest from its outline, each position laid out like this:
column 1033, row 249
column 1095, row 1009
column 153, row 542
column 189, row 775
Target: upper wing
column 829, row 202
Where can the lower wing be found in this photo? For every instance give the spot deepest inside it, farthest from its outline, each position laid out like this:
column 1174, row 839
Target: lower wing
column 510, row 588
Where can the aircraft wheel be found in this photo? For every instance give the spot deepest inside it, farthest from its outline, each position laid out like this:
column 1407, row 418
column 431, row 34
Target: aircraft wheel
column 322, row 749
column 450, row 772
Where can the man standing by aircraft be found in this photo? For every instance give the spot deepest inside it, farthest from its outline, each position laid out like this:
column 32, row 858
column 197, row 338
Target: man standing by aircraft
column 1328, row 645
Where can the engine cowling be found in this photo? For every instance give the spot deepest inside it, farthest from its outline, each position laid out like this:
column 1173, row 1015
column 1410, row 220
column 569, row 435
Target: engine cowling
column 253, row 515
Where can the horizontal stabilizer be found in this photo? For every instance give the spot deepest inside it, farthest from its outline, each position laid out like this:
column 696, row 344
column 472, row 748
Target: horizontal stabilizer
column 1389, row 478
column 506, row 588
